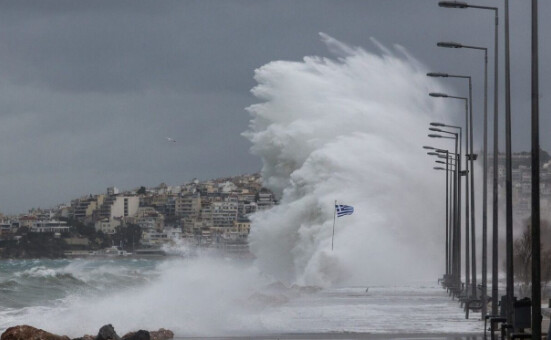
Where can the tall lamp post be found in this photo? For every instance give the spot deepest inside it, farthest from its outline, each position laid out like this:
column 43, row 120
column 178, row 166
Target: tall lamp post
column 450, row 159
column 508, row 176
column 470, row 157
column 485, row 173
column 448, row 171
column 457, row 4
column 456, row 246
column 536, row 266
column 456, row 217
column 447, row 271
column 467, row 250
column 448, row 210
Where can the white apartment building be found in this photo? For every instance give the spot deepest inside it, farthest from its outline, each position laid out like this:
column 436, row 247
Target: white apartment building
column 155, row 238
column 188, row 205
column 120, row 206
column 107, row 226
column 224, row 213
column 50, row 226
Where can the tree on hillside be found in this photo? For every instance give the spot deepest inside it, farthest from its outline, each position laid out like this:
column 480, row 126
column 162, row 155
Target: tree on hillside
column 522, row 259
column 129, row 236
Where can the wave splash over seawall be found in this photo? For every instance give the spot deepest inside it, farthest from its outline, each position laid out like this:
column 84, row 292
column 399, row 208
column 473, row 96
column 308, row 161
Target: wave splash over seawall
column 348, row 129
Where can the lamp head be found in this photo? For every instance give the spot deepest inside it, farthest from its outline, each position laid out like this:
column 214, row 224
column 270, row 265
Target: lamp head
column 436, row 94
column 435, row 136
column 437, row 124
column 437, row 74
column 429, row 147
column 449, row 44
column 453, row 4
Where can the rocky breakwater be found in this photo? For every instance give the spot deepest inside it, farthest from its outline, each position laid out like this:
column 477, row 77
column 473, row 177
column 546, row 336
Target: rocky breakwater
column 106, row 332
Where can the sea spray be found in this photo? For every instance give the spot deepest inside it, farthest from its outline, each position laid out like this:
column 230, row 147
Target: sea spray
column 201, row 296
column 348, row 129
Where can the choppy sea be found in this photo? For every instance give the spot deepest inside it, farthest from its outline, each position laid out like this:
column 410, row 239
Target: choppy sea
column 213, row 297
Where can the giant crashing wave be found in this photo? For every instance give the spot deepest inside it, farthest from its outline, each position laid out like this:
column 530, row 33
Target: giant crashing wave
column 348, row 129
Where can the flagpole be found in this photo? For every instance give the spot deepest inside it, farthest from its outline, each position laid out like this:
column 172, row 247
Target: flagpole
column 334, row 215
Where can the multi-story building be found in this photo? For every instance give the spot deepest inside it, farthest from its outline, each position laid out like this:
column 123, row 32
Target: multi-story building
column 224, row 213
column 112, row 191
column 85, row 208
column 6, row 230
column 194, row 226
column 26, row 221
column 119, row 206
column 51, row 226
column 156, row 238
column 188, row 205
column 151, row 222
column 107, row 226
column 265, row 200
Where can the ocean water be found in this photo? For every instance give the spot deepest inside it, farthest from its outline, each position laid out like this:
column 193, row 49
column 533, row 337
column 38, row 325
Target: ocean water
column 207, row 297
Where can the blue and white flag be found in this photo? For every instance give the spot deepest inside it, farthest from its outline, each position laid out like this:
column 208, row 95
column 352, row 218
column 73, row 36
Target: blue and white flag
column 344, row 210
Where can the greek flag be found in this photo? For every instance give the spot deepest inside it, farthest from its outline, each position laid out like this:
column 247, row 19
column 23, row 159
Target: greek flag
column 344, row 210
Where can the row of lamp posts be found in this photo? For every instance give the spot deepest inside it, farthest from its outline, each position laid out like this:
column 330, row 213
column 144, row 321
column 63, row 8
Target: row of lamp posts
column 454, row 172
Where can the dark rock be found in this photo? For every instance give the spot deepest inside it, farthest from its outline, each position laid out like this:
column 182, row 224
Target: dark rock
column 86, row 337
column 139, row 335
column 162, row 334
column 107, row 332
column 25, row 332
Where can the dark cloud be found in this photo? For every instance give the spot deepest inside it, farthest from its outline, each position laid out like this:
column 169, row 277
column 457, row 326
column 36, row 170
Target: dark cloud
column 90, row 89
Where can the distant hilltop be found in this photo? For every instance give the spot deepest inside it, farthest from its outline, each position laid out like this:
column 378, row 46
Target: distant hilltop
column 522, row 181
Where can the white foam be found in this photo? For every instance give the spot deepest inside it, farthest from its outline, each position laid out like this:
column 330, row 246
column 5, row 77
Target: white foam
column 350, row 130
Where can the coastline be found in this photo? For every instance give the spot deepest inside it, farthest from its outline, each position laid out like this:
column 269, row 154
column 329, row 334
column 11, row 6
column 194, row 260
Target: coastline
column 344, row 336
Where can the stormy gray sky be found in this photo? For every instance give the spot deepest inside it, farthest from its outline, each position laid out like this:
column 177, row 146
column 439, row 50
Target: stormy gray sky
column 89, row 90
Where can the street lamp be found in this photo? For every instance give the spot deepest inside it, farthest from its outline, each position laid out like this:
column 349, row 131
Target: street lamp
column 467, row 246
column 449, row 211
column 453, row 4
column 536, row 266
column 456, row 234
column 458, row 4
column 447, row 271
column 485, row 173
column 470, row 165
column 449, row 44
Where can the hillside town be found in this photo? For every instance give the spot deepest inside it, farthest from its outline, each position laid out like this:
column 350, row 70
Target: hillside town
column 206, row 214
column 211, row 213
column 522, row 182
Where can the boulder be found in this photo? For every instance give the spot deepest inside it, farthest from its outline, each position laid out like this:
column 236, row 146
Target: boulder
column 161, row 334
column 86, row 337
column 24, row 332
column 139, row 335
column 107, row 332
